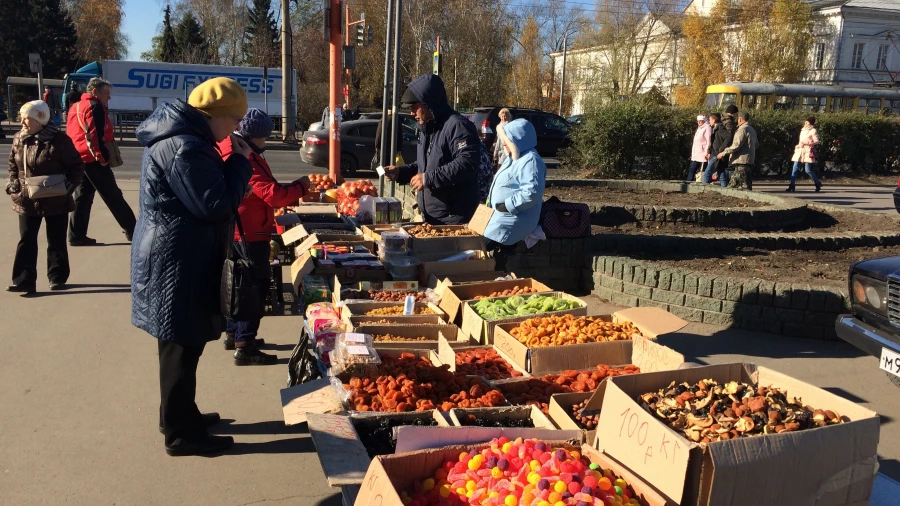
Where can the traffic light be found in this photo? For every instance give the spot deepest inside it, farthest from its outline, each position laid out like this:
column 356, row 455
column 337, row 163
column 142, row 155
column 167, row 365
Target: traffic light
column 370, row 31
column 360, row 35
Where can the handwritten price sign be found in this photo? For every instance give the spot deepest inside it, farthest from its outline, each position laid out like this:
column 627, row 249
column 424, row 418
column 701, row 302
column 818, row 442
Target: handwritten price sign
column 313, row 397
column 634, row 437
column 652, row 357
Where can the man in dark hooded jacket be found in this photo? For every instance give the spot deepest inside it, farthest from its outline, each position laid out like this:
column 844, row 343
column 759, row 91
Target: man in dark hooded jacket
column 445, row 173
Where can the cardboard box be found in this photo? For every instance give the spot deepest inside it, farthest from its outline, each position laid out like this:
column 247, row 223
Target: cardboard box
column 651, row 321
column 539, row 419
column 417, row 320
column 827, row 465
column 432, row 266
column 447, row 246
column 387, row 476
column 447, row 353
column 373, row 232
column 341, row 452
column 306, row 264
column 361, row 308
column 462, row 278
column 454, row 295
column 402, row 286
column 430, row 332
column 561, row 413
column 311, row 240
column 483, row 330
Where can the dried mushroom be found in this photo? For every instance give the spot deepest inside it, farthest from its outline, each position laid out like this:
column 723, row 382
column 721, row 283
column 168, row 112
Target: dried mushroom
column 709, row 411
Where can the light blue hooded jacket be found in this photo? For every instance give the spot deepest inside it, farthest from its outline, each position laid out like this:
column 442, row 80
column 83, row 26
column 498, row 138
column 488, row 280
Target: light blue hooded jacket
column 519, row 185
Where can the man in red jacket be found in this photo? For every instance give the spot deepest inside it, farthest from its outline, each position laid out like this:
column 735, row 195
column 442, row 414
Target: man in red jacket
column 257, row 215
column 89, row 127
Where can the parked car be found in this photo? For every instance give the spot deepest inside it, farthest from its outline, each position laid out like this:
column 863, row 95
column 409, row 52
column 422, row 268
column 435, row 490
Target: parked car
column 357, row 144
column 552, row 130
column 370, row 115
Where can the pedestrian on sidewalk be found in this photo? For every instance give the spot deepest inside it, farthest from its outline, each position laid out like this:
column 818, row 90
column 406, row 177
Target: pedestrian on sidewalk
column 700, row 147
column 188, row 199
column 89, row 127
column 257, row 216
column 720, row 138
column 742, row 153
column 40, row 149
column 72, row 97
column 805, row 153
column 500, row 154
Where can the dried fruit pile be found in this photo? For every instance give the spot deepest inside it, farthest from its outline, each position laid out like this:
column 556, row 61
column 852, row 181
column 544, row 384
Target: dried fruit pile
column 708, row 411
column 390, row 337
column 382, row 295
column 470, row 420
column 320, row 182
column 378, row 435
column 425, row 230
column 484, row 362
column 537, row 391
column 523, row 290
column 349, row 193
column 410, row 383
column 567, row 329
column 512, row 473
column 588, row 422
column 397, row 310
column 515, row 306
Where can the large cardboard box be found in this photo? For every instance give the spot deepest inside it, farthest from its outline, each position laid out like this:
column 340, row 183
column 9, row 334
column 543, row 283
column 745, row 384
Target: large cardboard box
column 387, row 286
column 453, row 296
column 446, row 246
column 431, row 333
column 419, row 319
column 651, row 321
column 433, row 266
column 463, row 278
column 538, row 419
column 341, row 452
column 561, row 413
column 387, row 476
column 361, row 308
column 832, row 465
column 447, row 353
column 305, row 264
column 483, row 330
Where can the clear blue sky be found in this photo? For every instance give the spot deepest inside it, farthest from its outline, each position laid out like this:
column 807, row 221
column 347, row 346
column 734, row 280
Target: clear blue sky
column 141, row 20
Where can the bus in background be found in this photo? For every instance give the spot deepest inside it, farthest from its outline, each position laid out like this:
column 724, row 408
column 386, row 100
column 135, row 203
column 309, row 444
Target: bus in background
column 20, row 90
column 807, row 97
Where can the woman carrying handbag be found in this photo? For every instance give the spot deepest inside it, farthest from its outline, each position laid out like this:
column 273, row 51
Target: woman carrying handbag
column 44, row 170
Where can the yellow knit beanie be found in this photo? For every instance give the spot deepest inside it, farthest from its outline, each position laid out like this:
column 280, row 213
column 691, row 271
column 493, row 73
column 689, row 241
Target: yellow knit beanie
column 220, row 97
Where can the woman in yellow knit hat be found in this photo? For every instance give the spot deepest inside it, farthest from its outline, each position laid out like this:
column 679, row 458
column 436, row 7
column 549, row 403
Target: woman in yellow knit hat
column 188, row 199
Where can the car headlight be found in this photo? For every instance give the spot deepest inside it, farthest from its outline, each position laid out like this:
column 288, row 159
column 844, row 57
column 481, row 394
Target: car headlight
column 869, row 293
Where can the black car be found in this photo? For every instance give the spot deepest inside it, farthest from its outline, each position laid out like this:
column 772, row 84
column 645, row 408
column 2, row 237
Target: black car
column 357, row 144
column 552, row 130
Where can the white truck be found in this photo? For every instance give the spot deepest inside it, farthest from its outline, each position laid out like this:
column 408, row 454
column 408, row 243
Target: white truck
column 140, row 87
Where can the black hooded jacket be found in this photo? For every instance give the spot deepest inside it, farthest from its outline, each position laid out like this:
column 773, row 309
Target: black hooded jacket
column 449, row 154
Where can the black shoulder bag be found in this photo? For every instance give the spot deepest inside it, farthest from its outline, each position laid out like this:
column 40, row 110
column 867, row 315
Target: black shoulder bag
column 241, row 296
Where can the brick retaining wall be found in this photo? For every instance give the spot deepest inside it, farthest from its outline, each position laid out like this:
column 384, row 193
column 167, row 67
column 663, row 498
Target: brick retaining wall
column 779, row 308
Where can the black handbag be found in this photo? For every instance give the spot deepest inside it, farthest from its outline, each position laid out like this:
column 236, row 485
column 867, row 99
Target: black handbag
column 241, row 295
column 565, row 220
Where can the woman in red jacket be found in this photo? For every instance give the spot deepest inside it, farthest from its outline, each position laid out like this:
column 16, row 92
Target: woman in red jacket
column 258, row 220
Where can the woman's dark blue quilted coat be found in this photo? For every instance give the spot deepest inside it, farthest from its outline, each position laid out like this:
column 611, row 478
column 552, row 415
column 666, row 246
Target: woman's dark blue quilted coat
column 184, row 231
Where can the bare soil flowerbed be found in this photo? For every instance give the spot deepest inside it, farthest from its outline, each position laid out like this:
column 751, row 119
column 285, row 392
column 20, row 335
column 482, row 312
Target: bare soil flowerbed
column 816, row 222
column 817, row 268
column 615, row 196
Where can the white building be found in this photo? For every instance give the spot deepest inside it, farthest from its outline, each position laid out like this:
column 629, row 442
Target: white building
column 856, row 43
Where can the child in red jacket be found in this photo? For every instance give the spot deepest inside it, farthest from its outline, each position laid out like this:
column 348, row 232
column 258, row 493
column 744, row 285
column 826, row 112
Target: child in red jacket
column 258, row 220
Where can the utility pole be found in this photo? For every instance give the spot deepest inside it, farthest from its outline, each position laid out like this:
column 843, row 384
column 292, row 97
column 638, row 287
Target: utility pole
column 361, row 21
column 562, row 83
column 383, row 150
column 395, row 118
column 287, row 57
column 335, row 49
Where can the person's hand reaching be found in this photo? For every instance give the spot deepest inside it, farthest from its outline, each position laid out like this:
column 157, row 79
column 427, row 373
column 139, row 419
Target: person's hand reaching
column 240, row 146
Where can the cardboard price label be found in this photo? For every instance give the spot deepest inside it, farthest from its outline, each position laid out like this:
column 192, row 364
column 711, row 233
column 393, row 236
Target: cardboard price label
column 314, row 397
column 653, row 357
column 635, row 438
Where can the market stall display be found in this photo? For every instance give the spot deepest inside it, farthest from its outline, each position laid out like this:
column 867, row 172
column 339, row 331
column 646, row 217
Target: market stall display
column 499, row 308
column 537, row 391
column 567, row 329
column 377, row 433
column 484, row 362
column 709, row 411
column 390, row 337
column 396, row 310
column 320, row 182
column 425, row 230
column 349, row 193
column 525, row 290
column 519, row 472
column 585, row 421
column 382, row 295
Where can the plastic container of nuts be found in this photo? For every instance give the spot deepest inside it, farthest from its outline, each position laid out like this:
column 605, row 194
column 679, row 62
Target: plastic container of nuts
column 404, row 268
column 393, row 241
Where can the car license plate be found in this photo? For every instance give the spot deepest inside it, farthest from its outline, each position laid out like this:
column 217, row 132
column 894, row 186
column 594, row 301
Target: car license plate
column 890, row 361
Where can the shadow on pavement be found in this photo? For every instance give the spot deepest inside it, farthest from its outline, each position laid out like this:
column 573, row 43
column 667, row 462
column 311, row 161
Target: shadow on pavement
column 103, row 244
column 840, row 392
column 279, row 347
column 83, row 292
column 290, row 445
column 334, row 500
column 755, row 344
column 889, row 467
column 272, row 427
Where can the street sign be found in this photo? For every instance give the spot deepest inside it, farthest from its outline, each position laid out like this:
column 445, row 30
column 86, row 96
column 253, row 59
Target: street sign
column 34, row 61
column 437, row 64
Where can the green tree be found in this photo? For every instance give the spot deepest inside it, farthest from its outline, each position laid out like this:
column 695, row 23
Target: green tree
column 261, row 40
column 167, row 45
column 189, row 41
column 528, row 72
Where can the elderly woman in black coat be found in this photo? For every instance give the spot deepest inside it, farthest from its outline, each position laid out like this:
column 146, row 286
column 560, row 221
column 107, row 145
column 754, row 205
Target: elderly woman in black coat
column 188, row 198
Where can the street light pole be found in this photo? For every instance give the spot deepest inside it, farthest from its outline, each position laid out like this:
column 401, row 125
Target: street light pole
column 562, row 83
column 334, row 127
column 395, row 120
column 383, row 151
column 287, row 127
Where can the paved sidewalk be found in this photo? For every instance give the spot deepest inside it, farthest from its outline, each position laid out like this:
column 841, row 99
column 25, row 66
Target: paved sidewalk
column 78, row 408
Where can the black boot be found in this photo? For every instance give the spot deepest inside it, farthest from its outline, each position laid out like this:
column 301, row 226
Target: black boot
column 250, row 355
column 791, row 188
column 818, row 186
column 229, row 342
column 25, row 289
column 209, row 419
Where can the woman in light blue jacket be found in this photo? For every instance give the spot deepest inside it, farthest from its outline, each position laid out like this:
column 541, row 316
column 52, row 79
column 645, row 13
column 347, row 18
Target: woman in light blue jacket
column 518, row 187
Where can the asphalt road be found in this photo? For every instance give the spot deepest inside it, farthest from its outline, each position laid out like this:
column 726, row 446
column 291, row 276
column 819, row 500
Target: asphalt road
column 78, row 410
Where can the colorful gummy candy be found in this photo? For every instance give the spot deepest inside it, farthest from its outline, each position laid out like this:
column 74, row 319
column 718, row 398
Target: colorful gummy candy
column 521, row 473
